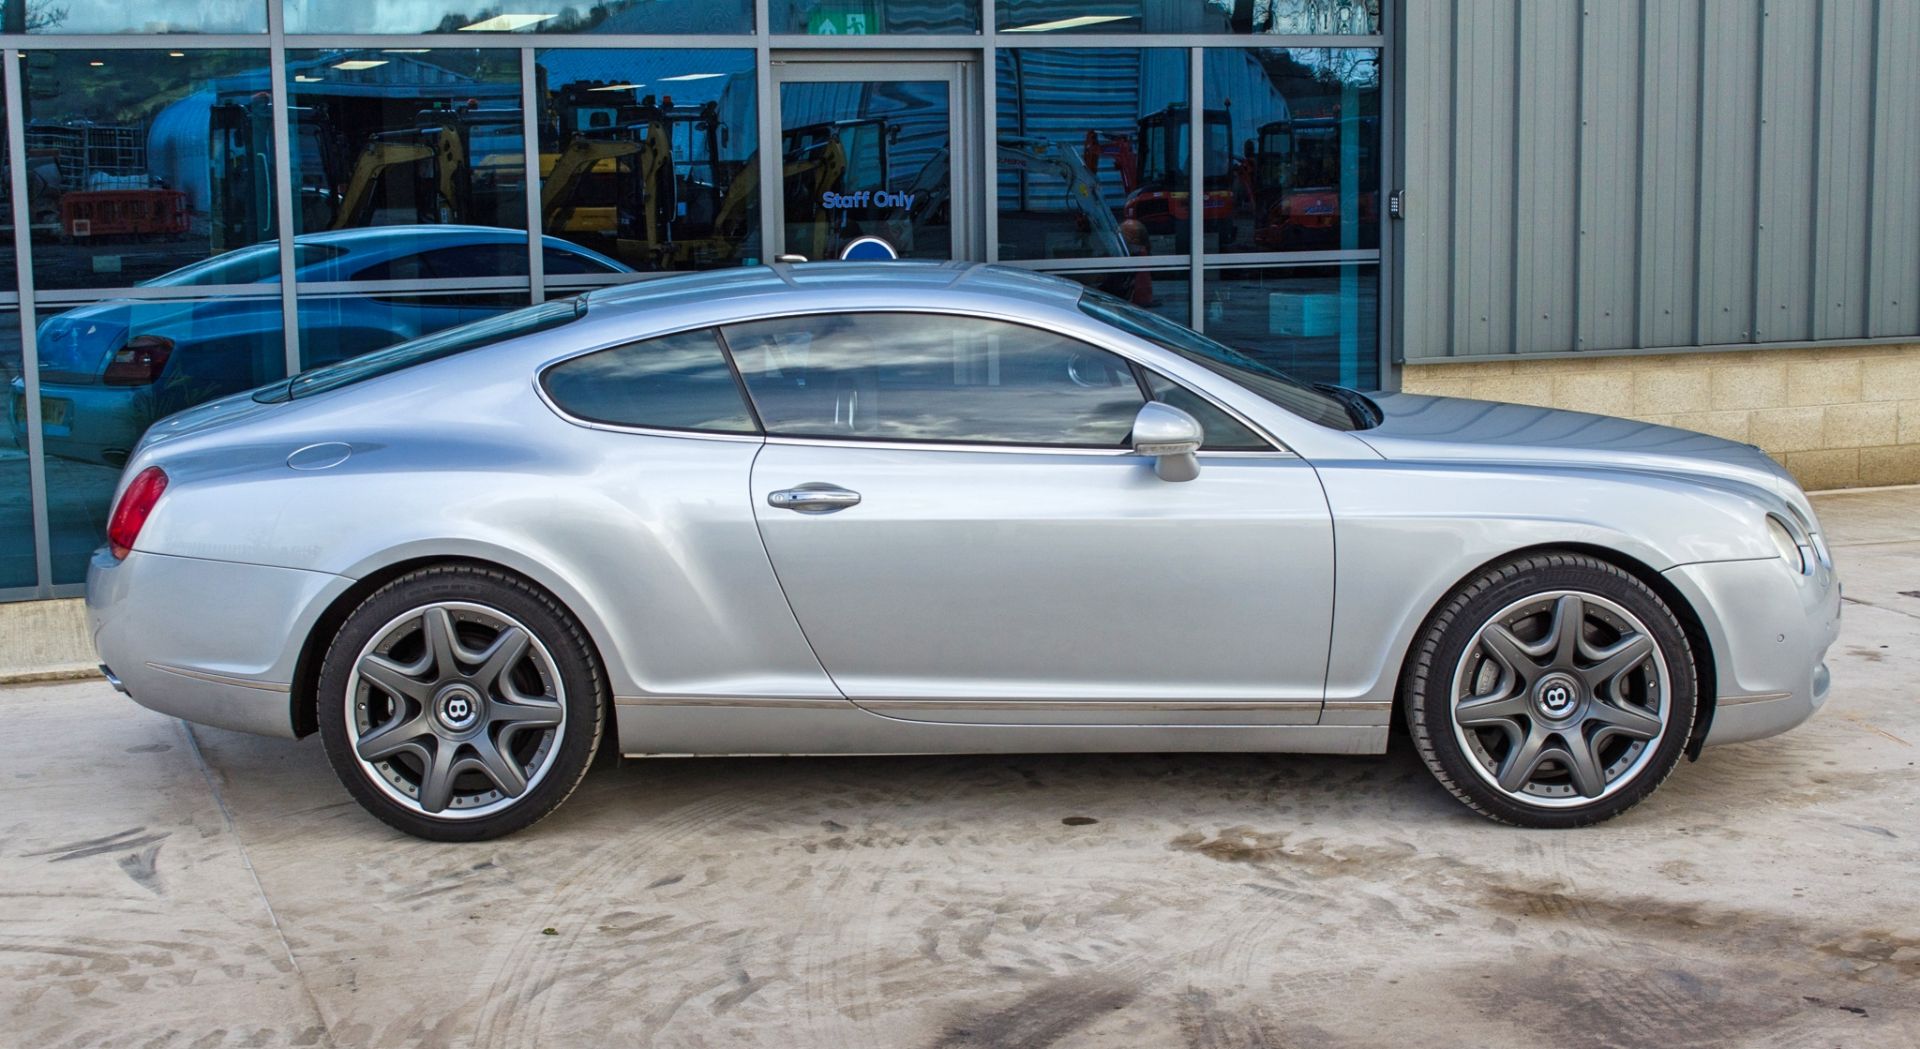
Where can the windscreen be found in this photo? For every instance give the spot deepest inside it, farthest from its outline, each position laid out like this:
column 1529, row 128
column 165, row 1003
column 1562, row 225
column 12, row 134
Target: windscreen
column 1309, row 403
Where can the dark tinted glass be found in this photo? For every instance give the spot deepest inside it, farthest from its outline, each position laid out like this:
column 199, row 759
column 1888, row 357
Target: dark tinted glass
column 401, row 141
column 1295, row 396
column 109, row 370
column 493, row 328
column 1167, row 293
column 675, row 382
column 1257, row 17
column 482, row 260
column 648, row 156
column 867, row 160
column 1224, row 432
column 8, row 275
column 520, row 16
column 1316, row 323
column 908, row 377
column 113, row 16
column 1093, row 152
column 1297, row 163
column 334, row 328
column 866, row 17
column 16, row 497
column 141, row 162
column 559, row 262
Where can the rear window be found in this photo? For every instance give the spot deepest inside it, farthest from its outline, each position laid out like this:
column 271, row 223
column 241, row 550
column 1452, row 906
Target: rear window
column 544, row 317
column 673, row 382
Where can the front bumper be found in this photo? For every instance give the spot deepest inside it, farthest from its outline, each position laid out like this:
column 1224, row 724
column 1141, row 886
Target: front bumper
column 214, row 642
column 1770, row 628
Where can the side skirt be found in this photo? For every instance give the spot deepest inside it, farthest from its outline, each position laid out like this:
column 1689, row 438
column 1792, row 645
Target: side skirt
column 663, row 728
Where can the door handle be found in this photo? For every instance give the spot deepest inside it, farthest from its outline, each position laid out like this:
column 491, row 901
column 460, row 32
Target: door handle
column 814, row 498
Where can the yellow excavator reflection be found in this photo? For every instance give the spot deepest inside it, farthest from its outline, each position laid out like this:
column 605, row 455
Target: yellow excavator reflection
column 653, row 180
column 444, row 138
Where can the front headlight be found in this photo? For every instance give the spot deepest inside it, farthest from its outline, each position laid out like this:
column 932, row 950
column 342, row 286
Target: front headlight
column 1790, row 548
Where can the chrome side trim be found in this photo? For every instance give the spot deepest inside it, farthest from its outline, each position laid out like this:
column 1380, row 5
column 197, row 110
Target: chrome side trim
column 1358, row 704
column 726, row 701
column 1015, row 449
column 1187, row 705
column 113, row 679
column 1756, row 697
column 220, row 679
column 1194, row 705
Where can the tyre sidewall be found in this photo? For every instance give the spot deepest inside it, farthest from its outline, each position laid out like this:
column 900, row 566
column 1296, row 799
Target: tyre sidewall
column 565, row 642
column 1430, row 695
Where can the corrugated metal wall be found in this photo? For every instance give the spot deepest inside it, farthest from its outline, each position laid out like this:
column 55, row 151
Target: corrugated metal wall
column 1628, row 174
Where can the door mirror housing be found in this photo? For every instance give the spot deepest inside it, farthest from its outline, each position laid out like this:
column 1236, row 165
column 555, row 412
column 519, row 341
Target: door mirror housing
column 1172, row 437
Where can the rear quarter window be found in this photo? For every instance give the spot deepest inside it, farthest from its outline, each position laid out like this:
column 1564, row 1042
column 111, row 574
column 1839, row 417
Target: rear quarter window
column 673, row 382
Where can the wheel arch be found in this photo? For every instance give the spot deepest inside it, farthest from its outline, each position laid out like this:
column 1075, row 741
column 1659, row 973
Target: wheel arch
column 1691, row 625
column 304, row 698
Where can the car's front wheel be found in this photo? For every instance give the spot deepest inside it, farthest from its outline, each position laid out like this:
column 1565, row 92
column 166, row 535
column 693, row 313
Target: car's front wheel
column 1553, row 690
column 459, row 703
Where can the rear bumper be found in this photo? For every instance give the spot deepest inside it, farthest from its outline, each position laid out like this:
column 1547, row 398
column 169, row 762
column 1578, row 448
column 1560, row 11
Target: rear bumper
column 1770, row 629
column 213, row 642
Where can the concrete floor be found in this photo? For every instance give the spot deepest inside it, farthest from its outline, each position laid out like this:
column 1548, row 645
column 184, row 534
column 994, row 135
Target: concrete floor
column 161, row 886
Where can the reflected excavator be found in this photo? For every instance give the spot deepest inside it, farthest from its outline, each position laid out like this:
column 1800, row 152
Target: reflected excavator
column 647, row 175
column 649, row 178
column 442, row 147
column 1152, row 164
column 1298, row 168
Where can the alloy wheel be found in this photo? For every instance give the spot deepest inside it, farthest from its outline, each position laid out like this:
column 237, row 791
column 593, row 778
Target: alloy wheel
column 1561, row 698
column 455, row 710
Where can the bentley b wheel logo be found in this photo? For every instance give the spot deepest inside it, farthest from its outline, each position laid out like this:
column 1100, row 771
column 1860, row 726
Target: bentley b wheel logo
column 1556, row 699
column 458, row 709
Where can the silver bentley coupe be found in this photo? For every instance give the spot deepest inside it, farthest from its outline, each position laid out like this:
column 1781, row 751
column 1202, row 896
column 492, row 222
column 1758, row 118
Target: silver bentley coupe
column 847, row 508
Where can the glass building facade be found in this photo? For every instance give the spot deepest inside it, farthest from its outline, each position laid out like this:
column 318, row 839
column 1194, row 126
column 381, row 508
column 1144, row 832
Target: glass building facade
column 206, row 197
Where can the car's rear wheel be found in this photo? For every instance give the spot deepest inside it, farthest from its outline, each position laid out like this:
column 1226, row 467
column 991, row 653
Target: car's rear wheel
column 459, row 703
column 1554, row 690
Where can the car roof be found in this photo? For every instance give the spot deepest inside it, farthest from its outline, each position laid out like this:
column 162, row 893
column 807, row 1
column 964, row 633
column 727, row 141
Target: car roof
column 781, row 287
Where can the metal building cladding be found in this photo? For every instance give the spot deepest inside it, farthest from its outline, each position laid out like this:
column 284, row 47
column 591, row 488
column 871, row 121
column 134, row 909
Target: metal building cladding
column 1518, row 199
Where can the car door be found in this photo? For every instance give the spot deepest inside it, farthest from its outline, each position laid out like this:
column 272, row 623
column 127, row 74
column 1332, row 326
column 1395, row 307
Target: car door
column 964, row 535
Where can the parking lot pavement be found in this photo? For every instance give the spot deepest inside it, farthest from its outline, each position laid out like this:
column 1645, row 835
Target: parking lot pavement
column 162, row 886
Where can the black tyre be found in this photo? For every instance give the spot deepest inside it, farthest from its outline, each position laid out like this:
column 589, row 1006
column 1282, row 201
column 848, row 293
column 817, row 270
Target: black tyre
column 460, row 703
column 1553, row 690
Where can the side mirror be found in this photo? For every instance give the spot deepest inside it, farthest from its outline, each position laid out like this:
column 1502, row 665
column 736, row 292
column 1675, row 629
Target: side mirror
column 1172, row 437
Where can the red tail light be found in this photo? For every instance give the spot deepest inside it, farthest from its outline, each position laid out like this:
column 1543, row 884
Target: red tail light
column 139, row 362
column 135, row 506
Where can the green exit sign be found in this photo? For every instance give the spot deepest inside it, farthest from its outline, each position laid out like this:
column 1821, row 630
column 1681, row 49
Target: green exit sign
column 841, row 21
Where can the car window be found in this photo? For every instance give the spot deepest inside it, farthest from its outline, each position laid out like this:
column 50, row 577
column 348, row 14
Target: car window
column 921, row 377
column 1321, row 405
column 1224, row 432
column 674, row 382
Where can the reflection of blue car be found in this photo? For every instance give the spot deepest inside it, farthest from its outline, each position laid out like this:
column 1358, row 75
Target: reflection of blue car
column 108, row 370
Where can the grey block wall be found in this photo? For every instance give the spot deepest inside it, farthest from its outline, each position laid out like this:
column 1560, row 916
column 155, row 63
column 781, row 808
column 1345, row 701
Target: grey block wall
column 1657, row 174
